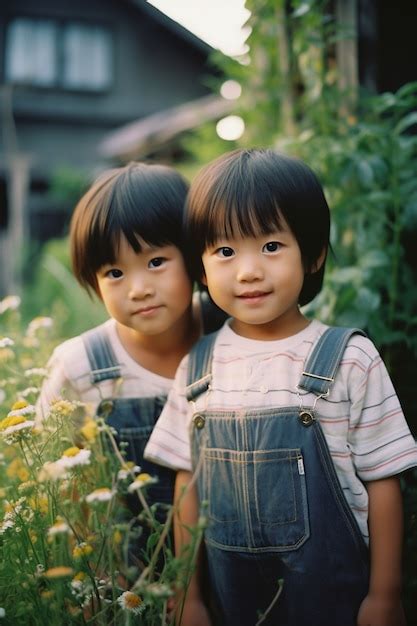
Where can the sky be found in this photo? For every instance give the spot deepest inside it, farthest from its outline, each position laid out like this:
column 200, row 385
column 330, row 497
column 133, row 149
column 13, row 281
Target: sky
column 218, row 22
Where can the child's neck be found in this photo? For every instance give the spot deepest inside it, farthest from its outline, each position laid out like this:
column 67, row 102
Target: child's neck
column 161, row 354
column 284, row 327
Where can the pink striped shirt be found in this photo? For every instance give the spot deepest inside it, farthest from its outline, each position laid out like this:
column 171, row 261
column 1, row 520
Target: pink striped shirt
column 362, row 420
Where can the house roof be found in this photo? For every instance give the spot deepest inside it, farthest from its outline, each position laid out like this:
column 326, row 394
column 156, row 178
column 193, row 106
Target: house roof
column 138, row 138
column 172, row 25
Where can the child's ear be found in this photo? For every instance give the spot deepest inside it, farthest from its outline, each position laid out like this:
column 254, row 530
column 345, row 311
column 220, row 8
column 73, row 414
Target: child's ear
column 319, row 262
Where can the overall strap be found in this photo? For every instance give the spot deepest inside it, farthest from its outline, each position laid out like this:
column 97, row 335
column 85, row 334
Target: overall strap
column 199, row 366
column 103, row 363
column 323, row 362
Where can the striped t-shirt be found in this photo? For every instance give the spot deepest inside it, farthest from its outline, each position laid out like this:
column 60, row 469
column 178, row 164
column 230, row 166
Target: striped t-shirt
column 362, row 420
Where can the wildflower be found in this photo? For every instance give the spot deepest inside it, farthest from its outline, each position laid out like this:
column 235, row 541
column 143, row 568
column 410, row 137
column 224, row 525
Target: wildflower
column 127, row 470
column 36, row 371
column 90, row 430
column 11, row 425
column 117, row 537
column 9, row 303
column 64, row 408
column 143, row 480
column 16, row 469
column 28, row 391
column 102, row 494
column 52, row 471
column 83, row 549
column 130, row 601
column 12, row 511
column 74, row 456
column 159, row 590
column 81, row 587
column 47, row 594
column 6, row 354
column 6, row 342
column 37, row 323
column 60, row 527
column 61, row 571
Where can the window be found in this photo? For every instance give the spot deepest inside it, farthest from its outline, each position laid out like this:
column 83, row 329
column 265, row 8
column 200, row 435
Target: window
column 46, row 53
column 31, row 52
column 87, row 62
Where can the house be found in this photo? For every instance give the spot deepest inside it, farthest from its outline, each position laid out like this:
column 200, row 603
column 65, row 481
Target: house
column 71, row 72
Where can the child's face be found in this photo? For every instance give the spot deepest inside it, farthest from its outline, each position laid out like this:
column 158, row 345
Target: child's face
column 257, row 281
column 149, row 291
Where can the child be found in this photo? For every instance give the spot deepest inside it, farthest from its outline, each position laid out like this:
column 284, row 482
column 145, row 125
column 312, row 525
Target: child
column 293, row 429
column 126, row 240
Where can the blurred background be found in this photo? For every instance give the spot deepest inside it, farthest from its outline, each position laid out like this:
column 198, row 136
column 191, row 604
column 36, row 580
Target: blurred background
column 89, row 84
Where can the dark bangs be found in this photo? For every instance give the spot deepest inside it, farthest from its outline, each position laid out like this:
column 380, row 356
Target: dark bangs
column 138, row 201
column 252, row 192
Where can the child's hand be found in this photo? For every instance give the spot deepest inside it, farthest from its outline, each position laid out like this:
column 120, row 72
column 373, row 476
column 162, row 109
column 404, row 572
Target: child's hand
column 381, row 610
column 194, row 613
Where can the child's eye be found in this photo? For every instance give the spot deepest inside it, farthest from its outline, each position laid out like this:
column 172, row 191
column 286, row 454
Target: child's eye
column 157, row 261
column 114, row 273
column 224, row 252
column 271, row 246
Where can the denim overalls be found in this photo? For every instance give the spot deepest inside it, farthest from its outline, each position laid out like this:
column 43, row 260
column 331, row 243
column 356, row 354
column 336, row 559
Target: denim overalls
column 276, row 508
column 135, row 418
column 132, row 418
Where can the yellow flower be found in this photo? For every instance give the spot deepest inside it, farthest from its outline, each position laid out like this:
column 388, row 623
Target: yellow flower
column 6, row 354
column 117, row 537
column 40, row 504
column 16, row 469
column 89, row 430
column 102, row 494
column 61, row 571
column 71, row 451
column 11, row 420
column 82, row 550
column 48, row 594
column 63, row 407
column 20, row 404
column 79, row 577
column 142, row 480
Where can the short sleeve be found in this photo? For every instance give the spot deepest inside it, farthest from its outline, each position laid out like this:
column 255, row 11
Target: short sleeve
column 55, row 385
column 379, row 438
column 169, row 443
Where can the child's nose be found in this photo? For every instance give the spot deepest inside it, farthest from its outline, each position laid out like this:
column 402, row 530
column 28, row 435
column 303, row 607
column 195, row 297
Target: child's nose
column 140, row 287
column 249, row 269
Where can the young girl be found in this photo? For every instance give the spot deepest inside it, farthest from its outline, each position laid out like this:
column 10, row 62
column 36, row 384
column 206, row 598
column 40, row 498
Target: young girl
column 293, row 429
column 126, row 241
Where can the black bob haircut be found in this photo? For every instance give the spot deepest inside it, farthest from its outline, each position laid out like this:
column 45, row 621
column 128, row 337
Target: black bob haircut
column 137, row 200
column 253, row 192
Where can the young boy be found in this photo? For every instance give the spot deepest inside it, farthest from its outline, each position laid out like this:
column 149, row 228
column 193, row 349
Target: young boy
column 293, row 429
column 126, row 240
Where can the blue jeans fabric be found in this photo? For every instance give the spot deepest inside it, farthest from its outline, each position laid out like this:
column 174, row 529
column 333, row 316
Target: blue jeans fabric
column 276, row 508
column 133, row 419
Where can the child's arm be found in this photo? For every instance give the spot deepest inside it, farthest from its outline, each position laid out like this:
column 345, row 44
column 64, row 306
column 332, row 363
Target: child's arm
column 191, row 610
column 382, row 605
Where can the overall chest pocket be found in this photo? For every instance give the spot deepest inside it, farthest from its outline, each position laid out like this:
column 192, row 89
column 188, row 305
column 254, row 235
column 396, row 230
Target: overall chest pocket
column 257, row 501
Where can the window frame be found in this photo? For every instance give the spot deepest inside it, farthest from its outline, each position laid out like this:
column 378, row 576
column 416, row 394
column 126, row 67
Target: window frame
column 61, row 25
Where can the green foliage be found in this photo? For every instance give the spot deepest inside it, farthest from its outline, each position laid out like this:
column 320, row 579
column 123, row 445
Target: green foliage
column 364, row 149
column 67, row 185
column 65, row 531
column 54, row 291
